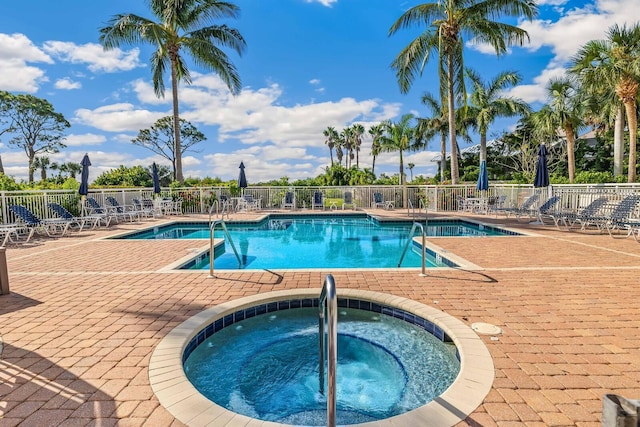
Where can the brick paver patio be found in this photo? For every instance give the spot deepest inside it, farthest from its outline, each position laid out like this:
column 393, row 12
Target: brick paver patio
column 85, row 314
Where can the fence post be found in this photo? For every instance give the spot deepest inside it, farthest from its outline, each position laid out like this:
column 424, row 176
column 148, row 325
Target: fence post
column 4, row 273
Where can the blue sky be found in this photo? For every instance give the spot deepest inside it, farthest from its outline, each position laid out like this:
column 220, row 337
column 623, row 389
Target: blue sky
column 309, row 64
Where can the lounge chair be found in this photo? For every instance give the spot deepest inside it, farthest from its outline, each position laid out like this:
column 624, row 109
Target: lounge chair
column 15, row 230
column 123, row 211
column 347, row 200
column 47, row 226
column 248, row 203
column 589, row 215
column 289, row 200
column 624, row 217
column 318, row 200
column 105, row 215
column 79, row 222
column 526, row 208
column 548, row 210
column 379, row 202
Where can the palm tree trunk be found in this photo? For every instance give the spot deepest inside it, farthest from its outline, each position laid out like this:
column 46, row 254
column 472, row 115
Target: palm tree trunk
column 571, row 152
column 618, row 143
column 452, row 122
column 483, row 147
column 443, row 156
column 632, row 120
column 373, row 166
column 176, row 123
column 1, row 167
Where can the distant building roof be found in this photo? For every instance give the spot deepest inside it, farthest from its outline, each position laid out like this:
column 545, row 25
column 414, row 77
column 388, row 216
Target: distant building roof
column 470, row 150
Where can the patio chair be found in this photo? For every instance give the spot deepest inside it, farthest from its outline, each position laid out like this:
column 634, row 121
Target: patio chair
column 15, row 230
column 139, row 206
column 496, row 202
column 47, row 226
column 79, row 222
column 289, row 200
column 122, row 211
column 624, row 216
column 248, row 203
column 347, row 200
column 318, row 200
column 463, row 204
column 589, row 215
column 379, row 202
column 526, row 208
column 548, row 210
column 105, row 215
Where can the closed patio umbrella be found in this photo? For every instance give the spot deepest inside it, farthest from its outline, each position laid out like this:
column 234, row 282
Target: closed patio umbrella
column 483, row 178
column 156, row 179
column 542, row 172
column 84, row 180
column 242, row 179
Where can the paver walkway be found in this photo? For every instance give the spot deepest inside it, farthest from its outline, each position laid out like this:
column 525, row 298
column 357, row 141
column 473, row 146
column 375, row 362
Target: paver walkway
column 85, row 314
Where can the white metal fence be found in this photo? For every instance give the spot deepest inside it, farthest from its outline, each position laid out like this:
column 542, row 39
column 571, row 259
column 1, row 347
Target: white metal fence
column 434, row 197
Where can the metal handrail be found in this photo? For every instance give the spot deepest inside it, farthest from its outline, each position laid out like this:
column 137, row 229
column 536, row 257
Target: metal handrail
column 424, row 247
column 328, row 308
column 212, row 229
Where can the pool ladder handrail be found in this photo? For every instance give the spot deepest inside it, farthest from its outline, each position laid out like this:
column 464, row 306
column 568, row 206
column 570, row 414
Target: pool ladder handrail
column 216, row 205
column 328, row 308
column 212, row 229
column 424, row 247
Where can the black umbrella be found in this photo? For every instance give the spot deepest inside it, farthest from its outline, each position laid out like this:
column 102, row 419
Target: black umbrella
column 542, row 172
column 156, row 180
column 242, row 179
column 84, row 179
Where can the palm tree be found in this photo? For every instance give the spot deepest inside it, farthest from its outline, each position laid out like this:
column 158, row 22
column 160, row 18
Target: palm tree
column 178, row 29
column 376, row 132
column 615, row 64
column 346, row 136
column 410, row 166
column 438, row 123
column 357, row 130
column 42, row 163
column 447, row 21
column 331, row 136
column 487, row 103
column 564, row 112
column 399, row 137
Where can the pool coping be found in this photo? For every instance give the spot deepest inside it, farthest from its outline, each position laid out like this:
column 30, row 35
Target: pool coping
column 178, row 396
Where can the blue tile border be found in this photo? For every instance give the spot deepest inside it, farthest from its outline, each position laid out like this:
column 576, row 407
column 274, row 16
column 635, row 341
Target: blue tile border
column 275, row 306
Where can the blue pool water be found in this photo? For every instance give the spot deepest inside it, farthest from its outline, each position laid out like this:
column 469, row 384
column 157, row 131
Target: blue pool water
column 290, row 242
column 266, row 367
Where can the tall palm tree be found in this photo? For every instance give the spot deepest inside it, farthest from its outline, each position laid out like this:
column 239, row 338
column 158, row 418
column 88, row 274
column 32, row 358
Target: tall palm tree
column 376, row 132
column 487, row 103
column 346, row 136
column 178, row 29
column 357, row 132
column 399, row 136
column 42, row 163
column 331, row 136
column 564, row 112
column 410, row 166
column 447, row 21
column 437, row 124
column 615, row 64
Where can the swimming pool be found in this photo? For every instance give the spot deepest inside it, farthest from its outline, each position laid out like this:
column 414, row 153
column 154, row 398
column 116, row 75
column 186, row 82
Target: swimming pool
column 313, row 241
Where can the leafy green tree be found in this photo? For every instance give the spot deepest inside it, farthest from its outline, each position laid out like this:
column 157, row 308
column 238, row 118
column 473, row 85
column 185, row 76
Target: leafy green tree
column 488, row 103
column 123, row 176
column 615, row 64
column 36, row 126
column 160, row 138
column 177, row 29
column 447, row 22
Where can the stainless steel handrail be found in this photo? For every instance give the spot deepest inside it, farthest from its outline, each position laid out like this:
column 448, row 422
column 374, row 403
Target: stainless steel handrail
column 328, row 308
column 212, row 229
column 424, row 247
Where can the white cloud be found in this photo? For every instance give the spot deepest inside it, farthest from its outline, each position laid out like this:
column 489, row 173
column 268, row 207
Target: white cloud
column 121, row 117
column 536, row 92
column 314, row 81
column 67, row 84
column 16, row 50
column 95, row 56
column 73, row 140
column 327, row 3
